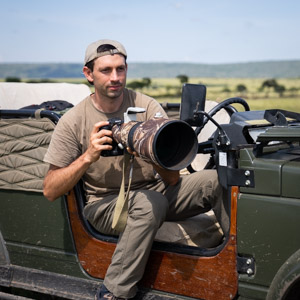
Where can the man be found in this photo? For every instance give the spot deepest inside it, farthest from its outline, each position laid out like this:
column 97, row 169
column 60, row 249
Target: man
column 156, row 194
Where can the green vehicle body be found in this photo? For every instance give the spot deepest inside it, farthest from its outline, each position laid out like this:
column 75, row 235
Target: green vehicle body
column 37, row 251
column 268, row 222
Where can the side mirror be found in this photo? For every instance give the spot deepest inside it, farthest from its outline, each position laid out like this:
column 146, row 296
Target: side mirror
column 192, row 101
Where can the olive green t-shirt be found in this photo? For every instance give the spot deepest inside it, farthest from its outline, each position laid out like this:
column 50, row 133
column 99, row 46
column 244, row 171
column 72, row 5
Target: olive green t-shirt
column 71, row 139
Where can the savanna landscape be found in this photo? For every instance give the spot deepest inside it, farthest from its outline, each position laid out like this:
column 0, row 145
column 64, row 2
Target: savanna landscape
column 269, row 84
column 260, row 93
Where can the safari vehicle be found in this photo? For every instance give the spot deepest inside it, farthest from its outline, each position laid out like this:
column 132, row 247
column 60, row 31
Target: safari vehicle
column 50, row 249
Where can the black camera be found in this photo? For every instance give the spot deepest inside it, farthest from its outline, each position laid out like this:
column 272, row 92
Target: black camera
column 116, row 150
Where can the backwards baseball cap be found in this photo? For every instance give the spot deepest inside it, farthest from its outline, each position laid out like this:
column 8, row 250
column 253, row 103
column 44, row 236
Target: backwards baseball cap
column 92, row 53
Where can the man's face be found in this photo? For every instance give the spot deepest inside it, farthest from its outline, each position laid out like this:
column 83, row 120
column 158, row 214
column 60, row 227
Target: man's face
column 109, row 75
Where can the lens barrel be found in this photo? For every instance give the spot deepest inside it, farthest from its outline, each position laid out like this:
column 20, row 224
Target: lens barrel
column 172, row 144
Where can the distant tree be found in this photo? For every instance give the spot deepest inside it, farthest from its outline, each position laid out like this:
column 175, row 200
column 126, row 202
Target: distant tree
column 293, row 91
column 43, row 80
column 139, row 84
column 272, row 83
column 135, row 84
column 13, row 79
column 269, row 83
column 241, row 88
column 280, row 89
column 146, row 81
column 183, row 78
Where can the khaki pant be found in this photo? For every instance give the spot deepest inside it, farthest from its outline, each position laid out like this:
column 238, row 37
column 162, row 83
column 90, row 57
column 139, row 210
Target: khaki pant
column 148, row 209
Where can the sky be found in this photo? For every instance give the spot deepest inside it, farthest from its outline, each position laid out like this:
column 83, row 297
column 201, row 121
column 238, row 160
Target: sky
column 195, row 31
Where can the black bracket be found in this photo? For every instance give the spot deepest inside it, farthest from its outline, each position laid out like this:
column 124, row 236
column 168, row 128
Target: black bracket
column 240, row 177
column 246, row 265
column 236, row 177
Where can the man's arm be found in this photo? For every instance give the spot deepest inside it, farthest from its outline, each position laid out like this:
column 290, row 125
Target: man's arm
column 170, row 177
column 59, row 181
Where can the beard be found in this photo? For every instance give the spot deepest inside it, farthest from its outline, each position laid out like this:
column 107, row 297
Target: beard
column 114, row 91
column 111, row 91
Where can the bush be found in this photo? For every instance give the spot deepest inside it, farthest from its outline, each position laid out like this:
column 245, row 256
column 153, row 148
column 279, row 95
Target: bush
column 40, row 81
column 241, row 88
column 183, row 78
column 13, row 79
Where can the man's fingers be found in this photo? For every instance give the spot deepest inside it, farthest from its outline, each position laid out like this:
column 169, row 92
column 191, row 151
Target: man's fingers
column 98, row 133
column 98, row 126
column 99, row 141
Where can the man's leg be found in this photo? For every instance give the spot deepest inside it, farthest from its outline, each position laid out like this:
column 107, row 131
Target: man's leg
column 147, row 211
column 197, row 193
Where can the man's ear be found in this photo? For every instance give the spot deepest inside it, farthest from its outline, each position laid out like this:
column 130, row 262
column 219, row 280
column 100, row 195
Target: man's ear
column 88, row 73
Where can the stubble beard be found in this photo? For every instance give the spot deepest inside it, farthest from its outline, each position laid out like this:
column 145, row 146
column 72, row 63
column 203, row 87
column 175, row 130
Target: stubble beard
column 113, row 94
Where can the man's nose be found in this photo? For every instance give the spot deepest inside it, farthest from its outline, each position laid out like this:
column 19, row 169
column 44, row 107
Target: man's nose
column 114, row 75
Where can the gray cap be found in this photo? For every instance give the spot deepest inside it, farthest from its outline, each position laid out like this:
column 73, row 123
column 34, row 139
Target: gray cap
column 91, row 51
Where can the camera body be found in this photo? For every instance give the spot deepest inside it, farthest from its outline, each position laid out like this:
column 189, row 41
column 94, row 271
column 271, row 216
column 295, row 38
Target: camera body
column 116, row 150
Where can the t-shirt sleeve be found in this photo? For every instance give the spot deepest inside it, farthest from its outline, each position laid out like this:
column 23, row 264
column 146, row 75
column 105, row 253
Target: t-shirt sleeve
column 64, row 147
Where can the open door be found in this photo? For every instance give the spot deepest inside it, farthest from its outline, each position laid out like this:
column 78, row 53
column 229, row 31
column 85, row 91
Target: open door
column 211, row 275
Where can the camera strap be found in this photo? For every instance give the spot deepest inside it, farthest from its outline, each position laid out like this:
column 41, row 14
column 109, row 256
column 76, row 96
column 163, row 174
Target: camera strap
column 121, row 209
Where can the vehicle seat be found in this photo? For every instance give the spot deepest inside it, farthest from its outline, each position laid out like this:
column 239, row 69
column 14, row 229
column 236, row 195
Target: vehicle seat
column 201, row 231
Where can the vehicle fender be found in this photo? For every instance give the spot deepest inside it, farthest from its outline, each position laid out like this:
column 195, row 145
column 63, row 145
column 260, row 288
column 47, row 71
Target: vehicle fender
column 287, row 280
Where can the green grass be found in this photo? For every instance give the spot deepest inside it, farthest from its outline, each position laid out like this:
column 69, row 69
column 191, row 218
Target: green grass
column 282, row 103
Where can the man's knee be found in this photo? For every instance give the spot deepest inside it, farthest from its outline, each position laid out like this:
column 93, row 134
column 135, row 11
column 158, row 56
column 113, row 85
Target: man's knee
column 149, row 205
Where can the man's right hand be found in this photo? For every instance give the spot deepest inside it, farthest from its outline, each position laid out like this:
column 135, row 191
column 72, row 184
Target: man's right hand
column 100, row 139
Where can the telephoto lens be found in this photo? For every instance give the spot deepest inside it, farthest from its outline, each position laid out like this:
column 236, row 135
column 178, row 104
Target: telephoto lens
column 171, row 144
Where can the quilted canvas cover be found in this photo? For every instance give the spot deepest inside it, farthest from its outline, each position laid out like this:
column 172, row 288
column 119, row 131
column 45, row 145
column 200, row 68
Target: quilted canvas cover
column 23, row 144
